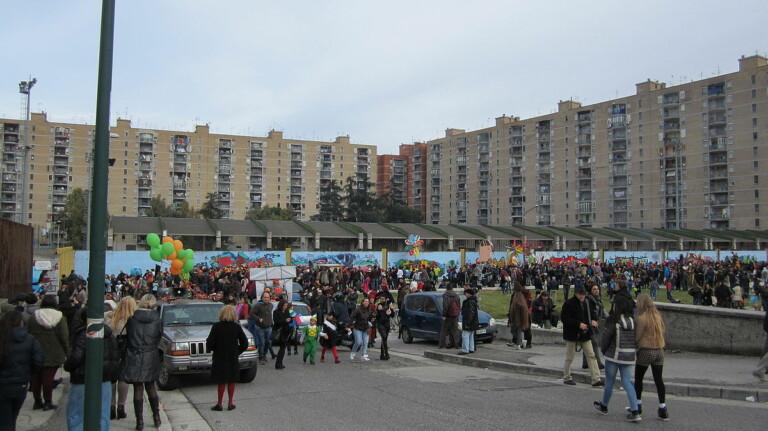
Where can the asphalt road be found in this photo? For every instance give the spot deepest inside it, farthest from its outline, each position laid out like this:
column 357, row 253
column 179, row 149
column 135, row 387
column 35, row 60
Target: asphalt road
column 410, row 392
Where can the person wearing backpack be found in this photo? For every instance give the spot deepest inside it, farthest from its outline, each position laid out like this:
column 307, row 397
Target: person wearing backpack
column 450, row 326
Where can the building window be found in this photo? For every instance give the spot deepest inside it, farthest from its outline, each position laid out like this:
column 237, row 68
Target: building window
column 640, row 103
column 757, row 194
column 754, row 107
column 757, row 179
column 754, row 136
column 757, row 222
column 754, row 151
column 754, row 93
column 757, row 208
column 755, row 165
column 754, row 122
column 753, row 78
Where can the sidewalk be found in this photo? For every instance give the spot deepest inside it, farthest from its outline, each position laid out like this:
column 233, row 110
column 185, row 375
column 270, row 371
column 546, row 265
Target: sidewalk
column 176, row 412
column 685, row 373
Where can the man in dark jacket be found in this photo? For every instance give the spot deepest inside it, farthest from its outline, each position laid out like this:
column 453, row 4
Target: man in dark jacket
column 470, row 322
column 261, row 316
column 450, row 325
column 577, row 324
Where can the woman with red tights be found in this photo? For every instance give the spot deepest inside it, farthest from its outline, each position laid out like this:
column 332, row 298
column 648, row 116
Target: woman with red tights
column 329, row 338
column 227, row 341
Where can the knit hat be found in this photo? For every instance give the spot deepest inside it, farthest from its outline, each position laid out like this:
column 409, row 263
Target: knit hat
column 580, row 291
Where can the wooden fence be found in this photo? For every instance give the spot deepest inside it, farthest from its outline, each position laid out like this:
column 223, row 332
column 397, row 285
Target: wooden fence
column 15, row 259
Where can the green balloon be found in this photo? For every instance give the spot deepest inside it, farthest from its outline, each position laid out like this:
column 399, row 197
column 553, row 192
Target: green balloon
column 168, row 249
column 189, row 264
column 156, row 254
column 153, row 240
column 190, row 254
column 181, row 254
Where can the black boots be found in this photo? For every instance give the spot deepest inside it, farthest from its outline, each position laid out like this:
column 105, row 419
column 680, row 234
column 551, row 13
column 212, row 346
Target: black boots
column 154, row 403
column 121, row 411
column 112, row 413
column 138, row 409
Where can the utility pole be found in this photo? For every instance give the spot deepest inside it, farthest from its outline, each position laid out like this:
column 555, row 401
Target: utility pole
column 94, row 343
column 25, row 87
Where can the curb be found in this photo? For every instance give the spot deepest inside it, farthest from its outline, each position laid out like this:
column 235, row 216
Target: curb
column 680, row 389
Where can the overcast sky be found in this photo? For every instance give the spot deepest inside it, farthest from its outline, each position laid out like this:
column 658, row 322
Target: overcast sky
column 384, row 72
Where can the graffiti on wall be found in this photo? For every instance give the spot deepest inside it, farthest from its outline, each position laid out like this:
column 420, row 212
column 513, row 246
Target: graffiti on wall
column 248, row 259
column 341, row 258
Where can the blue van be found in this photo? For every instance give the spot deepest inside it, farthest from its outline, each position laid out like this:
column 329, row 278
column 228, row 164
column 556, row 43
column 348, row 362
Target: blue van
column 421, row 317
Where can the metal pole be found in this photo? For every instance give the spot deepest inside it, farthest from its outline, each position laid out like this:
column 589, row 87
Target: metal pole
column 25, row 87
column 94, row 345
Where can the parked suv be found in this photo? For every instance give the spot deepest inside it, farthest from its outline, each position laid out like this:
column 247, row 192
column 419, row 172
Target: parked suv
column 183, row 348
column 421, row 317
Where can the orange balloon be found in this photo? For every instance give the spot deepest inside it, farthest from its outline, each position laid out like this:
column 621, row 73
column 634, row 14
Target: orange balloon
column 167, row 239
column 174, row 271
column 177, row 263
column 177, row 244
column 171, row 256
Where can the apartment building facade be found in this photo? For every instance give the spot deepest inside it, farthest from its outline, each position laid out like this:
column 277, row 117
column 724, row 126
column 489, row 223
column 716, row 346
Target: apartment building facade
column 687, row 156
column 244, row 171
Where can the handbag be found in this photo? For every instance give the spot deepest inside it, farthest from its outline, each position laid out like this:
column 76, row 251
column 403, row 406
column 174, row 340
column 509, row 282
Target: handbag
column 122, row 343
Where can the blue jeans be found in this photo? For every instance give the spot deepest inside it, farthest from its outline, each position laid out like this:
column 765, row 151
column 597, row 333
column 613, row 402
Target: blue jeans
column 361, row 340
column 262, row 338
column 611, row 368
column 76, row 407
column 468, row 341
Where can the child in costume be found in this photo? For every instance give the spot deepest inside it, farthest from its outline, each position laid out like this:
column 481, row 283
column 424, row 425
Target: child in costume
column 329, row 338
column 311, row 335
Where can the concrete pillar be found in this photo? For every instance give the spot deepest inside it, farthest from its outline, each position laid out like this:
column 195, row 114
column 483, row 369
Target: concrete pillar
column 317, row 240
column 218, row 239
column 370, row 241
column 680, row 244
column 269, row 240
column 360, row 238
column 450, row 242
column 624, row 243
column 110, row 238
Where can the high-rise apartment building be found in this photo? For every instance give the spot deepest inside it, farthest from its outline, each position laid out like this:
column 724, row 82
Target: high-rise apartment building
column 405, row 174
column 243, row 171
column 686, row 156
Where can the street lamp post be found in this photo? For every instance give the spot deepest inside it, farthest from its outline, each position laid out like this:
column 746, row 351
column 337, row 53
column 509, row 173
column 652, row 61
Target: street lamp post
column 529, row 210
column 25, row 87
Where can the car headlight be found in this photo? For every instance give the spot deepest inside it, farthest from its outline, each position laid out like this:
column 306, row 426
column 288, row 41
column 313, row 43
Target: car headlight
column 179, row 349
column 492, row 322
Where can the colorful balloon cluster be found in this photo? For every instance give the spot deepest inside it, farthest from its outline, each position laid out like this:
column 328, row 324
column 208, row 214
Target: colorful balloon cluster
column 182, row 261
column 413, row 244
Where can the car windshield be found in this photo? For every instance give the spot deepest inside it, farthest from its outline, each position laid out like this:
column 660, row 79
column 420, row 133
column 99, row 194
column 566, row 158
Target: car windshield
column 301, row 309
column 191, row 314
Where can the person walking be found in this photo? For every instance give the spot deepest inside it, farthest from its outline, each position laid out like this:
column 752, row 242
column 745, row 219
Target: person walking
column 649, row 337
column 142, row 363
column 385, row 309
column 261, row 319
column 518, row 319
column 311, row 335
column 21, row 355
column 470, row 322
column 619, row 352
column 227, row 341
column 543, row 308
column 597, row 311
column 116, row 320
column 449, row 329
column 49, row 327
column 76, row 366
column 282, row 319
column 577, row 333
column 361, row 324
column 330, row 338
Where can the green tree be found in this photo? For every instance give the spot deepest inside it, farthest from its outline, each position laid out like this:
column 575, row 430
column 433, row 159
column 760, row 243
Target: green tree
column 269, row 213
column 394, row 208
column 331, row 203
column 159, row 208
column 73, row 218
column 360, row 200
column 184, row 210
column 210, row 208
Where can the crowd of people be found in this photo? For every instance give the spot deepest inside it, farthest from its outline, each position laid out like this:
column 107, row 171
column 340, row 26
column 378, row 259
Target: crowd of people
column 41, row 332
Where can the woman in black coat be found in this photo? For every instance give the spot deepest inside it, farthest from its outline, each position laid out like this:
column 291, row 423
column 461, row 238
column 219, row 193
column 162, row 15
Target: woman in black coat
column 281, row 320
column 227, row 341
column 142, row 363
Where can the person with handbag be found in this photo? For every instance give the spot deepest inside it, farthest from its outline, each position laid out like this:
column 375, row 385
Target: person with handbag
column 649, row 336
column 142, row 363
column 227, row 341
column 49, row 327
column 597, row 310
column 577, row 324
column 116, row 320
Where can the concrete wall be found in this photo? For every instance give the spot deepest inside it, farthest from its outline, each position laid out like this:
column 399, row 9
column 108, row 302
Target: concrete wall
column 713, row 330
column 692, row 329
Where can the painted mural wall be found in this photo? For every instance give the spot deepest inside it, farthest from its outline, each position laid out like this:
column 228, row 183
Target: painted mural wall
column 132, row 261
